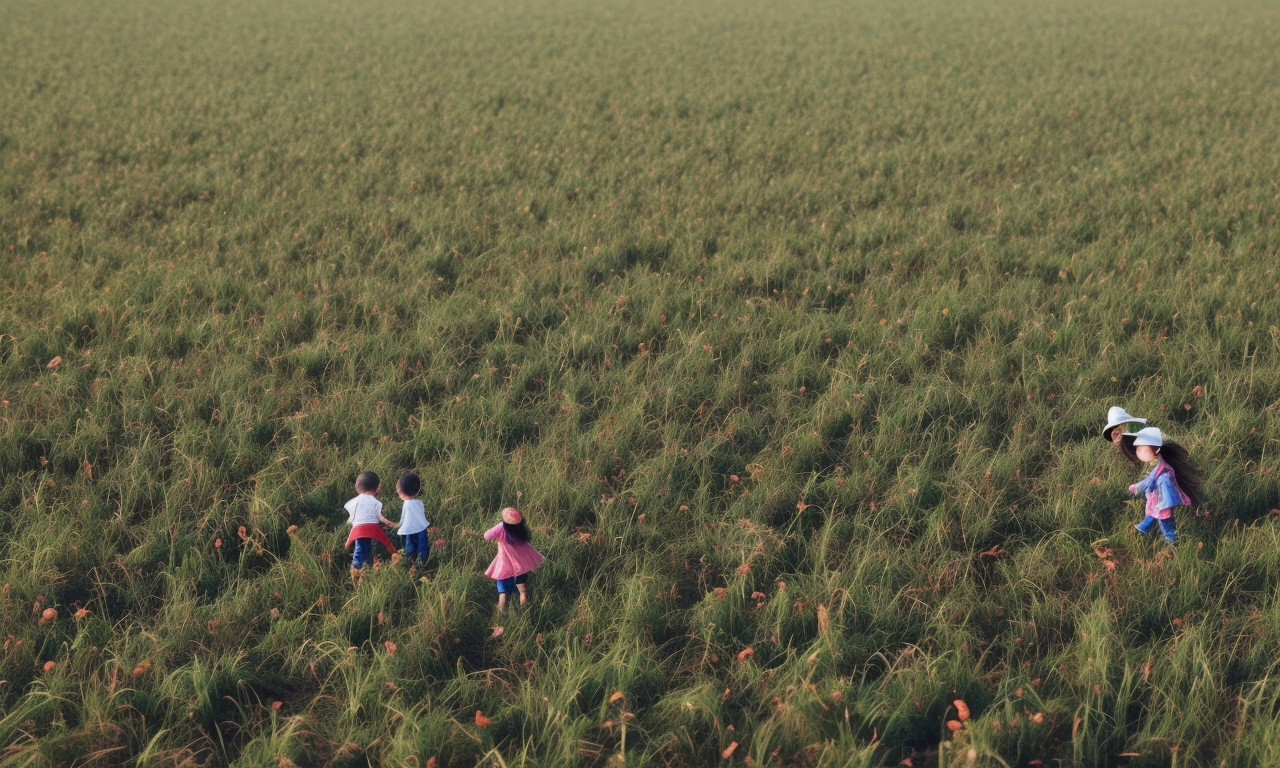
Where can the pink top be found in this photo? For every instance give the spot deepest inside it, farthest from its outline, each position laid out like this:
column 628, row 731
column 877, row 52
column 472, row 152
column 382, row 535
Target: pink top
column 1162, row 490
column 514, row 557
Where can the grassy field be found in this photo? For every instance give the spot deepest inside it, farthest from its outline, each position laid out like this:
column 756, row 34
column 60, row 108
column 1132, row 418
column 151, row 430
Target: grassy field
column 791, row 327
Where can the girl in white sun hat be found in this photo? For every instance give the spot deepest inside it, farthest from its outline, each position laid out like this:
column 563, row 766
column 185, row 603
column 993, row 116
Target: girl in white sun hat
column 1120, row 430
column 1173, row 482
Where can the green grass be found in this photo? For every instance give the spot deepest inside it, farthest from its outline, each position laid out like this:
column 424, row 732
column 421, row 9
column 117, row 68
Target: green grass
column 774, row 318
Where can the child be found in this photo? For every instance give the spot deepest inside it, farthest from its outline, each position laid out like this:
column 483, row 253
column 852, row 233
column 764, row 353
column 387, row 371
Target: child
column 1174, row 482
column 365, row 516
column 1120, row 429
column 413, row 520
column 516, row 556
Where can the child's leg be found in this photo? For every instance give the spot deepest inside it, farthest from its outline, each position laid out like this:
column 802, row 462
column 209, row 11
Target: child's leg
column 363, row 554
column 410, row 548
column 1146, row 525
column 1169, row 530
column 521, row 585
column 504, row 586
column 424, row 546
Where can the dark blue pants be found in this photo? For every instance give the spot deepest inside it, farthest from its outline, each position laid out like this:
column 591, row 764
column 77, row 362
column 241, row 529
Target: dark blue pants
column 416, row 547
column 1166, row 527
column 363, row 554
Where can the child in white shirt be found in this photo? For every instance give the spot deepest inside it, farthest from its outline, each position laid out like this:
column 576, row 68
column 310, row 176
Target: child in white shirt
column 364, row 512
column 413, row 520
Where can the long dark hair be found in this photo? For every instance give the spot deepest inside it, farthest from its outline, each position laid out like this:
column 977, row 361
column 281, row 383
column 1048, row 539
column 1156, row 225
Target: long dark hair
column 1184, row 470
column 520, row 531
column 1127, row 450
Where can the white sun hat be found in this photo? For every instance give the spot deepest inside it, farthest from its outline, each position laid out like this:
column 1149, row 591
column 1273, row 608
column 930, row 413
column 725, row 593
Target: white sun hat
column 1148, row 436
column 1117, row 416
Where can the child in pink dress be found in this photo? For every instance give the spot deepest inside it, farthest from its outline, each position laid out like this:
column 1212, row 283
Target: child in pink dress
column 516, row 556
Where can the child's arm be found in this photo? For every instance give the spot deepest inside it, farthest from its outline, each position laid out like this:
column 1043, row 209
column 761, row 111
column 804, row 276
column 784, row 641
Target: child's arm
column 387, row 522
column 1143, row 486
column 493, row 532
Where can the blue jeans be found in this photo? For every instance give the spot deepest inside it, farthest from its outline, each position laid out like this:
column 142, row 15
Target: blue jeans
column 1166, row 527
column 363, row 554
column 416, row 547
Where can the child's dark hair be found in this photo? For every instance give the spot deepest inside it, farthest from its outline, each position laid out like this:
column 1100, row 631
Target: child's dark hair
column 517, row 531
column 1184, row 471
column 409, row 484
column 1128, row 451
column 368, row 482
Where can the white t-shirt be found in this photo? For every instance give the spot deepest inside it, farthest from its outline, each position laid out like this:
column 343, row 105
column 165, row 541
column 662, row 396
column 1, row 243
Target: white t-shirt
column 364, row 508
column 413, row 518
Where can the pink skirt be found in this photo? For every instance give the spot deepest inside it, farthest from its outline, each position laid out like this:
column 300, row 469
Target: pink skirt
column 513, row 559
